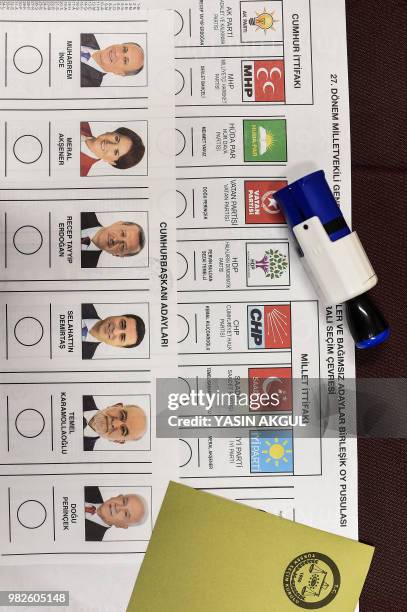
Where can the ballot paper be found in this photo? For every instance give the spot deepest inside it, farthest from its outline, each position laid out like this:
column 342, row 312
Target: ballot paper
column 262, row 99
column 88, row 293
column 213, row 554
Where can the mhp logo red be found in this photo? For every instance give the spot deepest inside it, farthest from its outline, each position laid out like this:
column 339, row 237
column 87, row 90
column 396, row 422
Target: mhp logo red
column 263, row 81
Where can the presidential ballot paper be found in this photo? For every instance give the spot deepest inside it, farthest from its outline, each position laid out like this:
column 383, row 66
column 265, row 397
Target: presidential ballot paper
column 262, row 99
column 88, row 303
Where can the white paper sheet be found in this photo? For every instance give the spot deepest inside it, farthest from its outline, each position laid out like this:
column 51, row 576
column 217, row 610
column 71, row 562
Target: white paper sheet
column 262, row 99
column 88, row 290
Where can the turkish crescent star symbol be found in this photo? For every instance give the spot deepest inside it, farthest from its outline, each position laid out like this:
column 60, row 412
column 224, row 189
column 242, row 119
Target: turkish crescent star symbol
column 269, row 381
column 269, row 204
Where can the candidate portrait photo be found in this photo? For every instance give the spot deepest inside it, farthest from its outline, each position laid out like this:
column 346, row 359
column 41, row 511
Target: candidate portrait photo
column 114, row 240
column 113, row 60
column 108, row 149
column 117, row 513
column 119, row 422
column 115, row 331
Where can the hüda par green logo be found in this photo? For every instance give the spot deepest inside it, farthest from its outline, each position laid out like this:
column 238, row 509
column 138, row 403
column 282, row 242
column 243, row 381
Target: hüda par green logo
column 265, row 140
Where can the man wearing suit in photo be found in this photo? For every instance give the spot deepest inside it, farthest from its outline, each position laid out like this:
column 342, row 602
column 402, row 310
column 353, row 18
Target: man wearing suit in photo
column 119, row 423
column 122, row 512
column 120, row 239
column 124, row 59
column 121, row 149
column 123, row 331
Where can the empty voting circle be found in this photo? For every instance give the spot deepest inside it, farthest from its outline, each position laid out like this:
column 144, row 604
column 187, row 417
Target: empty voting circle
column 27, row 239
column 165, row 142
column 178, row 23
column 180, row 142
column 185, row 454
column 183, row 328
column 179, row 82
column 181, row 203
column 182, row 266
column 30, row 423
column 28, row 59
column 27, row 149
column 183, row 385
column 28, row 331
column 31, row 514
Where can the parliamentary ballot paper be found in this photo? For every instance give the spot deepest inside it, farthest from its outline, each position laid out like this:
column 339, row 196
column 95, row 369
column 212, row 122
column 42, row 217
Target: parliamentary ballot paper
column 262, row 99
column 88, row 294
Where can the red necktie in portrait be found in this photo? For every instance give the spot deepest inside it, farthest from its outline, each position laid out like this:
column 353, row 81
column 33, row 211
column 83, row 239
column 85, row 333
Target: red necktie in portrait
column 90, row 509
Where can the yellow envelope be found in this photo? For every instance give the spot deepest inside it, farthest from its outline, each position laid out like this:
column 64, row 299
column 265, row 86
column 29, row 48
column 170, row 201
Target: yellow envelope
column 209, row 554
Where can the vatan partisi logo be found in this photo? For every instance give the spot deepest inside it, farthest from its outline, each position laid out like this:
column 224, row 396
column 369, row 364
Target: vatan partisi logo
column 274, row 264
column 311, row 581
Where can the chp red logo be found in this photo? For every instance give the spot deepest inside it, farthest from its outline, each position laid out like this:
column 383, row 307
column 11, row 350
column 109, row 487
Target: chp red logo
column 260, row 205
column 269, row 326
column 263, row 81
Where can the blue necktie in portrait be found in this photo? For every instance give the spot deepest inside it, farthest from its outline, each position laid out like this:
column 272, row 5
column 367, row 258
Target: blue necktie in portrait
column 84, row 332
column 85, row 55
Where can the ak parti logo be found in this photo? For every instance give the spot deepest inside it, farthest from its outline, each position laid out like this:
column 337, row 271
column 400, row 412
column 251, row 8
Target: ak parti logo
column 260, row 205
column 263, row 80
